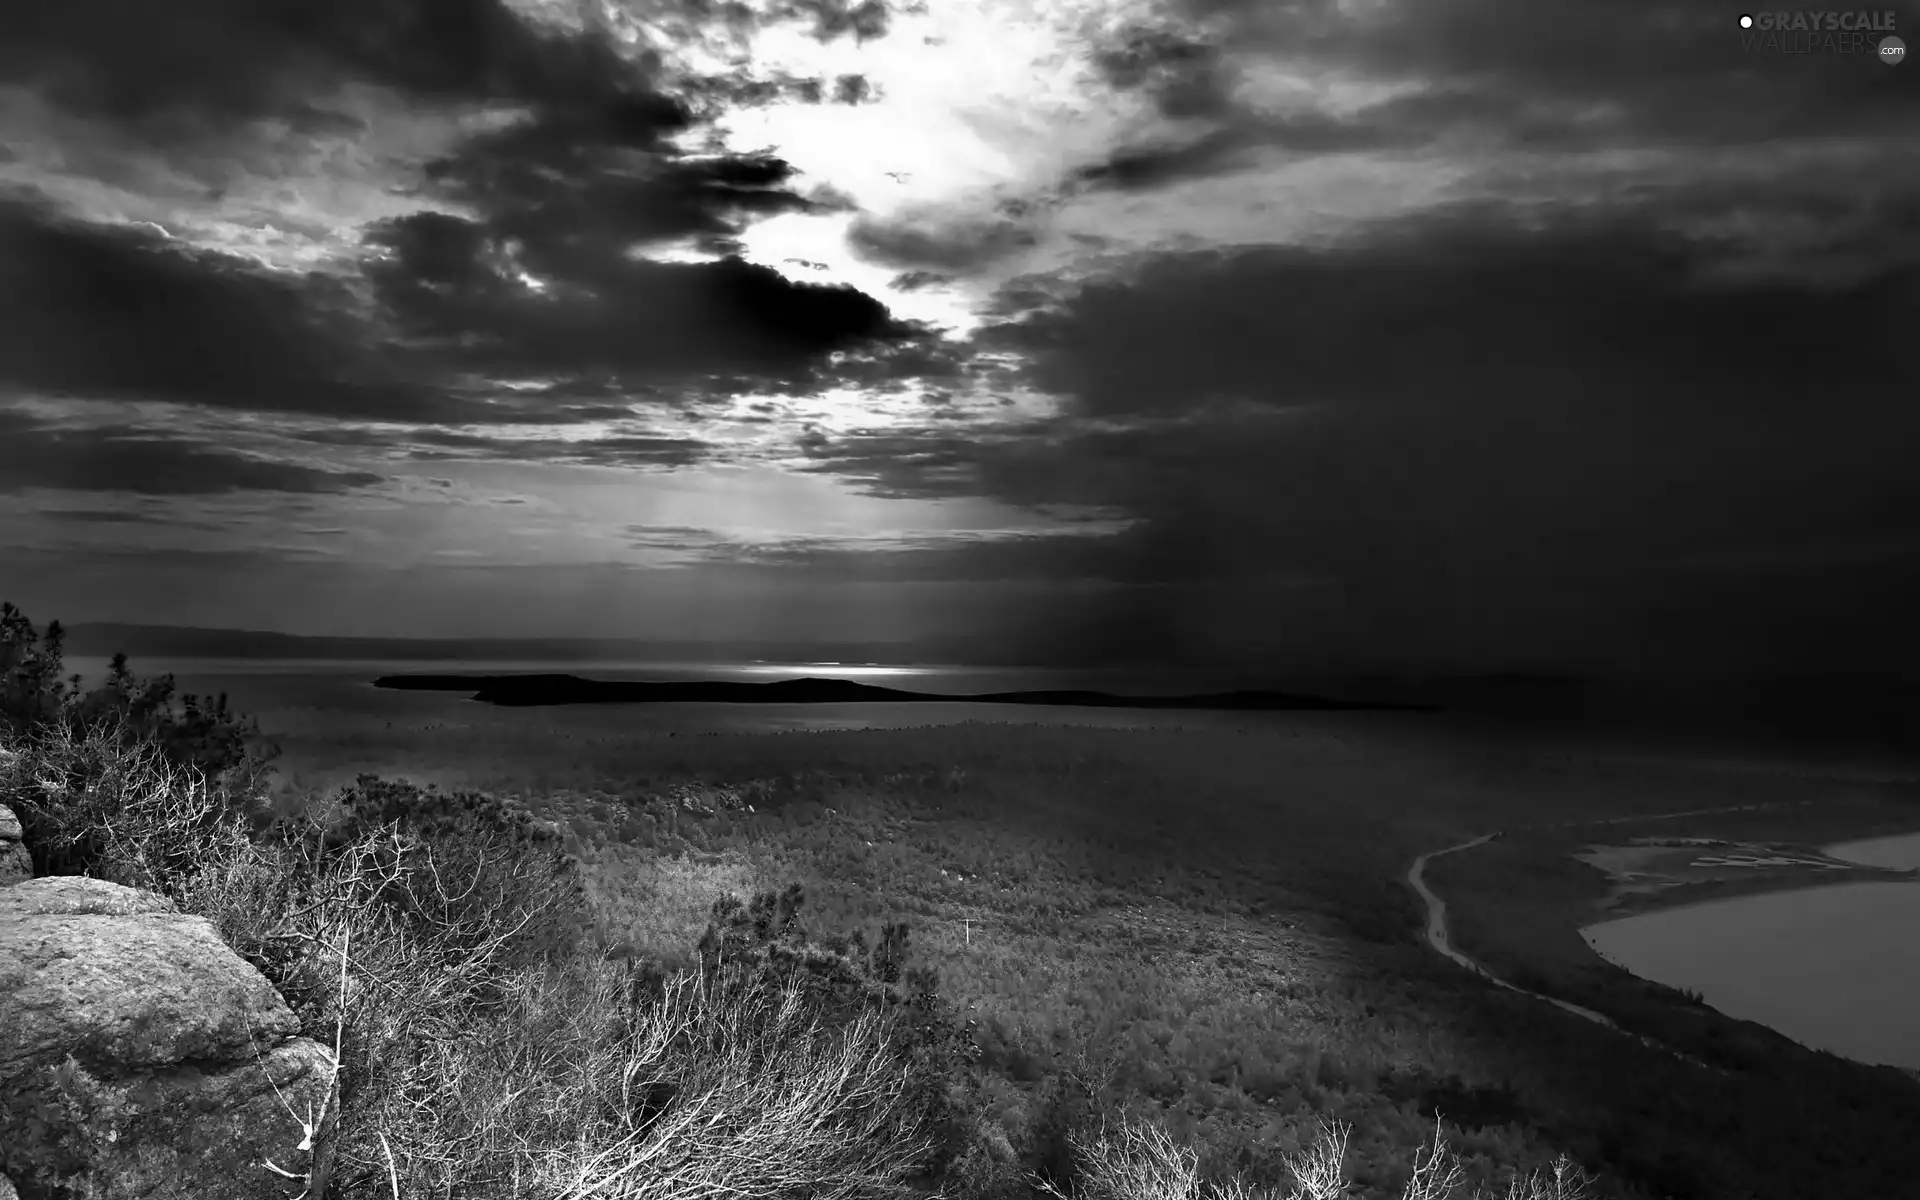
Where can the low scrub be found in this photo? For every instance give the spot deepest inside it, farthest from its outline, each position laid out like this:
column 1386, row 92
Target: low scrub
column 200, row 732
column 486, row 1041
column 483, row 1046
column 1141, row 1161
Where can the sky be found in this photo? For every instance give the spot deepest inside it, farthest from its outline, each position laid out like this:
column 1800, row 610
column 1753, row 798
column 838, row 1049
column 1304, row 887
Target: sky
column 1404, row 335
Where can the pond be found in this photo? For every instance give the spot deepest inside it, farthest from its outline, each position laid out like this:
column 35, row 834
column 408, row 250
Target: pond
column 1836, row 968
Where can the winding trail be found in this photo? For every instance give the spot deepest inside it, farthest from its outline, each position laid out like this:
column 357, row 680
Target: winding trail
column 1437, row 908
column 1438, row 939
column 1437, row 934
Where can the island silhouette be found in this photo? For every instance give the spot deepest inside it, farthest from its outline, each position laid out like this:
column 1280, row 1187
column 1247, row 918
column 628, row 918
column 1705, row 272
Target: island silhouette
column 525, row 691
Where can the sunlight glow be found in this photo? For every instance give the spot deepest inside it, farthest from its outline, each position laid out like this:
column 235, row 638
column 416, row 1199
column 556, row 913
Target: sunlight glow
column 834, row 671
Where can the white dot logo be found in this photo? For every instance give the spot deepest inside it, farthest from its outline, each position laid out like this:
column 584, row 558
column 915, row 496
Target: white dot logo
column 1746, row 22
column 1893, row 51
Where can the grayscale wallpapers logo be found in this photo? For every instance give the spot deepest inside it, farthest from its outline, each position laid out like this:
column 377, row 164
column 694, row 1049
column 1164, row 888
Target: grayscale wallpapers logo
column 1823, row 31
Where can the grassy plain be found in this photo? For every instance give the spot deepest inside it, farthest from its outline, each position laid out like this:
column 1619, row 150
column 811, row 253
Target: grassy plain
column 1212, row 921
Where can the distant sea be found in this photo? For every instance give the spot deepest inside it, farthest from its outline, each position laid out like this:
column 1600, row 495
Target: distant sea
column 306, row 695
column 939, row 679
column 289, row 693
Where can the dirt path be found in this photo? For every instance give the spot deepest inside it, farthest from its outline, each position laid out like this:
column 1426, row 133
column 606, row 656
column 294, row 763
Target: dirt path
column 1437, row 932
column 1438, row 939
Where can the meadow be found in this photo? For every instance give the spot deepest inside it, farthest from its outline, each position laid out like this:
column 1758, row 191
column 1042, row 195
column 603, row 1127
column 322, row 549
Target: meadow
column 1198, row 935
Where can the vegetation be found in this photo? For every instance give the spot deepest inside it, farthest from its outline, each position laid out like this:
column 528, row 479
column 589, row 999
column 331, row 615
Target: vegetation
column 664, row 966
column 1769, row 1118
column 99, row 742
column 193, row 731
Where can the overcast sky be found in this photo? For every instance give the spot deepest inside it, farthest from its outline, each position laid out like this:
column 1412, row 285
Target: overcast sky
column 1426, row 334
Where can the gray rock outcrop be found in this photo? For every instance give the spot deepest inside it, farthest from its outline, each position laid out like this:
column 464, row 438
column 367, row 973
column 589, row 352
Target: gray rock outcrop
column 15, row 865
column 141, row 1058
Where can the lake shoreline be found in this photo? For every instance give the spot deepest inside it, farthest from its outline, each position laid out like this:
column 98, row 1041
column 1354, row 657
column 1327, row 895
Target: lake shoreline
column 1643, row 940
column 1523, row 906
column 1759, row 881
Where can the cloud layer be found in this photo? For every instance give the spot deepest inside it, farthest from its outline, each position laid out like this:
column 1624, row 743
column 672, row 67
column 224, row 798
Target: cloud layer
column 1415, row 336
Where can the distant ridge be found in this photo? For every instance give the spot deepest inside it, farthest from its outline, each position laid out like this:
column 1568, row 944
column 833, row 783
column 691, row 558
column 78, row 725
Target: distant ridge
column 522, row 691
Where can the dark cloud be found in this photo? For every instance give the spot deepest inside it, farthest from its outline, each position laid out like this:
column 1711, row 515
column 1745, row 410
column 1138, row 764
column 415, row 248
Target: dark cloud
column 619, row 450
column 126, row 312
column 920, row 358
column 568, row 193
column 943, row 244
column 1490, row 437
column 1664, row 68
column 117, row 459
column 1184, row 74
column 202, row 63
column 902, row 465
column 1239, row 140
column 913, row 281
column 349, row 435
column 1659, row 425
column 833, row 19
column 217, row 62
column 103, row 516
column 571, row 198
column 1232, row 148
column 451, row 280
column 1565, row 75
column 1474, row 300
column 1136, row 167
column 747, row 90
column 852, row 89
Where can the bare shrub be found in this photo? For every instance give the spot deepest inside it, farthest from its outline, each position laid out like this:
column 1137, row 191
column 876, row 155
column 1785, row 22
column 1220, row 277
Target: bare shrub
column 1141, row 1161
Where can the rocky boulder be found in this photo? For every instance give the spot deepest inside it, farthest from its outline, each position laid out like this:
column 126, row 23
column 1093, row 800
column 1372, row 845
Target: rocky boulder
column 15, row 865
column 140, row 1056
